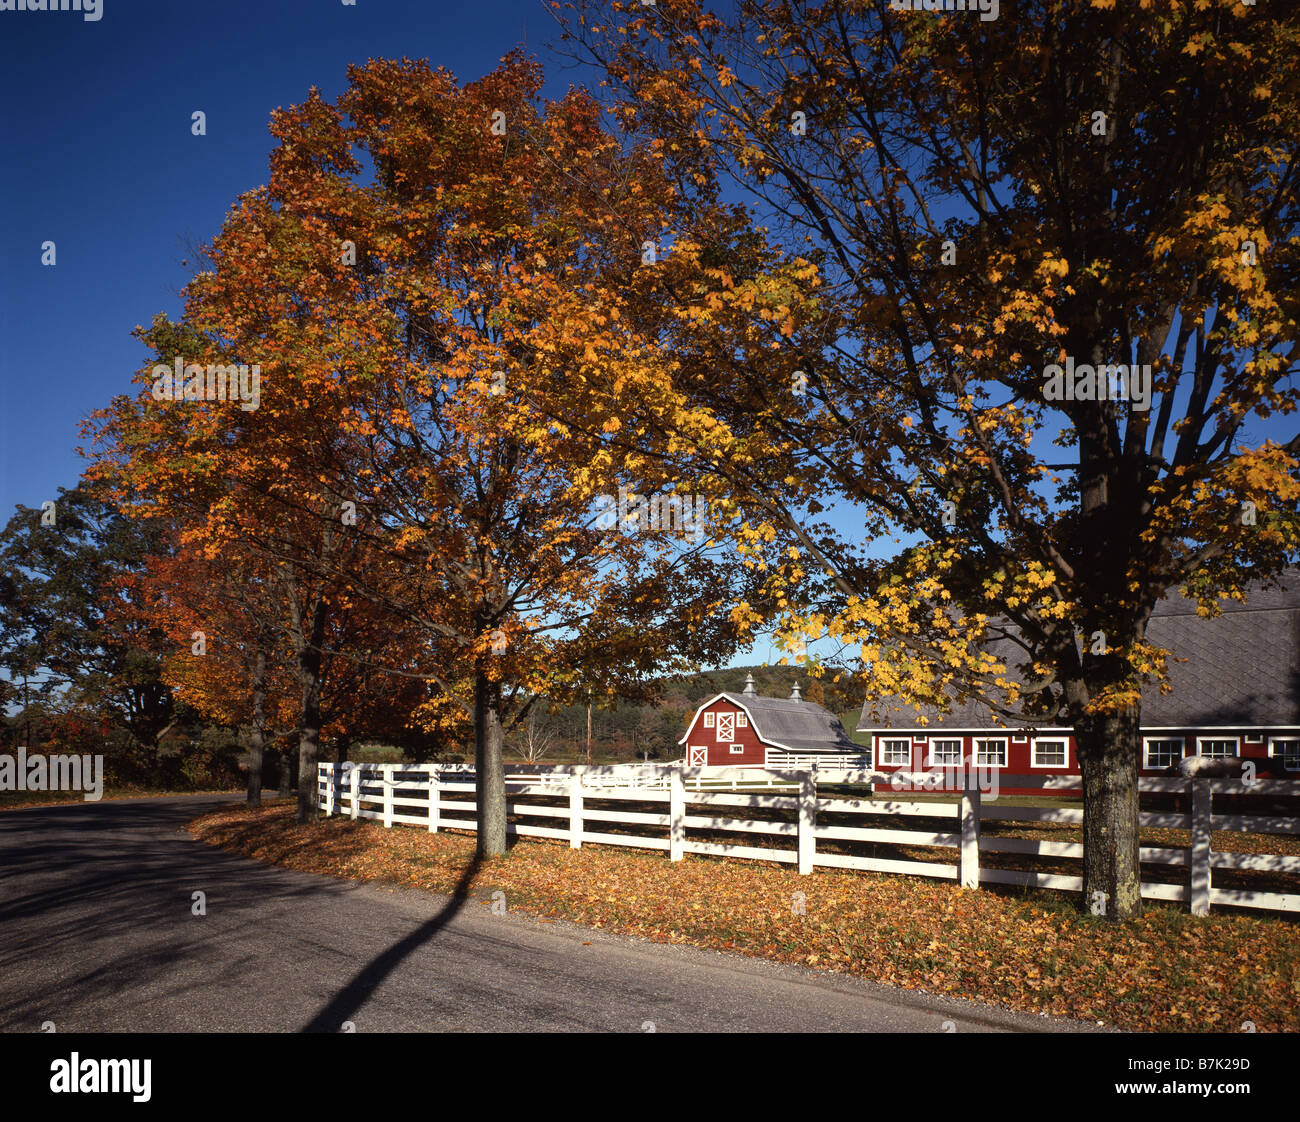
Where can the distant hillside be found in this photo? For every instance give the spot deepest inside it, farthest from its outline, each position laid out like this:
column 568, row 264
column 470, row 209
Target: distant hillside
column 769, row 681
column 631, row 731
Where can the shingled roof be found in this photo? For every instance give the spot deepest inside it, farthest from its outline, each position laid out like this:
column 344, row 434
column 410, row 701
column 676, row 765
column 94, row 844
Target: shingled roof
column 1242, row 668
column 794, row 724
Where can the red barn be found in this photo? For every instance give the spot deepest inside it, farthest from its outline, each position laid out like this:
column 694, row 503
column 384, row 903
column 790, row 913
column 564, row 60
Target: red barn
column 1236, row 694
column 745, row 730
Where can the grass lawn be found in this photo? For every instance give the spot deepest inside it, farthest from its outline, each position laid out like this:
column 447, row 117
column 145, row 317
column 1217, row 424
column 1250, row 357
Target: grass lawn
column 1027, row 950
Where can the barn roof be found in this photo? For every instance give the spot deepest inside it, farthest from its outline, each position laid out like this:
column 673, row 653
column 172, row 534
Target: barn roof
column 1242, row 668
column 800, row 726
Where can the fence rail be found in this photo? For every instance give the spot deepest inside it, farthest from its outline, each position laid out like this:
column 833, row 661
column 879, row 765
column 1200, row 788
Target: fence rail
column 734, row 807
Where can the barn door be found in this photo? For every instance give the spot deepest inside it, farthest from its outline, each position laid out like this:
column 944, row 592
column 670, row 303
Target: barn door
column 697, row 756
column 726, row 728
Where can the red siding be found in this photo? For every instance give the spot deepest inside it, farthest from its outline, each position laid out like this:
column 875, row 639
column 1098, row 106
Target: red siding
column 1020, row 757
column 719, row 751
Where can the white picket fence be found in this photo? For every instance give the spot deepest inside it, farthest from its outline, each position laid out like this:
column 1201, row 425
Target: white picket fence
column 715, row 800
column 642, row 777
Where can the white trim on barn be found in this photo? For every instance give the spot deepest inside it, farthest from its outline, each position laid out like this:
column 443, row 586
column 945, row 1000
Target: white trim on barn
column 1064, row 741
column 932, row 761
column 1272, row 755
column 1215, row 728
column 976, row 741
column 1147, row 741
column 1234, row 741
column 881, row 739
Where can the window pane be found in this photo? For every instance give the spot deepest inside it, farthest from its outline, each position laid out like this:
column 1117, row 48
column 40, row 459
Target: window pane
column 895, row 752
column 1289, row 752
column 945, row 751
column 1164, row 753
column 1049, row 753
column 1218, row 749
column 991, row 752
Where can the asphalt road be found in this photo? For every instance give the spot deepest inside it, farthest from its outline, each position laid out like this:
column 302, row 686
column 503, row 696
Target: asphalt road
column 97, row 935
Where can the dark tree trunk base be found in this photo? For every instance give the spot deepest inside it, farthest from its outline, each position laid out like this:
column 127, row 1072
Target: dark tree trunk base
column 1108, row 760
column 489, row 770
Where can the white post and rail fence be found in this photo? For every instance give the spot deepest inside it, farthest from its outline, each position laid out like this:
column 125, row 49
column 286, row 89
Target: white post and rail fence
column 720, row 812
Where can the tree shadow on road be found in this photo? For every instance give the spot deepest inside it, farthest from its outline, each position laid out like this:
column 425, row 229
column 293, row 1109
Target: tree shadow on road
column 348, row 1000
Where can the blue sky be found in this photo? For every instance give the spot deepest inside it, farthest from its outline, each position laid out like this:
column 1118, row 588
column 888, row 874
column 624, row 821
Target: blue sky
column 101, row 161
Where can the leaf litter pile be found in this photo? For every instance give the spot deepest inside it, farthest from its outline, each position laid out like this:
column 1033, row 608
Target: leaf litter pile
column 1029, row 951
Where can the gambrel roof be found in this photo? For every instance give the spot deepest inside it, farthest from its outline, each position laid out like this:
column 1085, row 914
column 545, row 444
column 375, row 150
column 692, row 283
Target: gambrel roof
column 789, row 723
column 1241, row 668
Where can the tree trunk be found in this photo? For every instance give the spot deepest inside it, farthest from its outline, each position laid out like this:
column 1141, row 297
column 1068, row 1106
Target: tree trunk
column 309, row 734
column 488, row 769
column 1108, row 759
column 308, row 636
column 286, row 773
column 257, row 735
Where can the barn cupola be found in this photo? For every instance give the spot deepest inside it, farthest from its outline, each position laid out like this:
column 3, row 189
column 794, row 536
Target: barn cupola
column 794, row 693
column 748, row 691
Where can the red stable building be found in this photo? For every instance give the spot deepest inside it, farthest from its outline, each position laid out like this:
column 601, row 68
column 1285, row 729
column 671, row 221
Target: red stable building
column 1237, row 693
column 745, row 730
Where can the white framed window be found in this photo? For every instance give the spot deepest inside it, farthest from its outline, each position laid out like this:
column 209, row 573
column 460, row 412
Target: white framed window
column 742, row 721
column 1049, row 751
column 1286, row 749
column 991, row 753
column 1161, row 752
column 1216, row 747
column 945, row 753
column 737, row 749
column 708, row 720
column 894, row 753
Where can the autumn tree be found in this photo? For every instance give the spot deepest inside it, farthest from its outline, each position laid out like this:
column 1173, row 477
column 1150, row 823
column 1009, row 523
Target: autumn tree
column 481, row 272
column 223, row 652
column 243, row 670
column 256, row 466
column 946, row 210
column 417, row 329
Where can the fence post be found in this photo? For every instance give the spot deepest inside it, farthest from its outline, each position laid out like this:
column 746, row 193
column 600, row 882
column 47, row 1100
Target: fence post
column 1200, row 846
column 575, row 811
column 435, row 799
column 388, row 796
column 676, row 813
column 970, row 834
column 331, row 778
column 356, row 790
column 807, row 821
